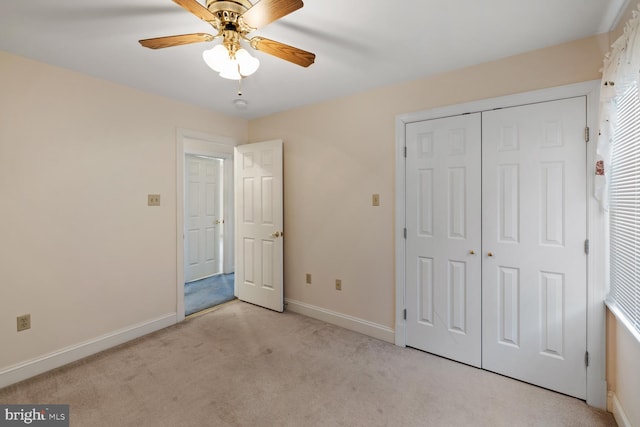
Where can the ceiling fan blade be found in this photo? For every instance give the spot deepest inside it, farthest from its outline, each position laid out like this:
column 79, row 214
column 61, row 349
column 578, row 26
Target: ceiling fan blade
column 283, row 51
column 266, row 11
column 162, row 42
column 197, row 9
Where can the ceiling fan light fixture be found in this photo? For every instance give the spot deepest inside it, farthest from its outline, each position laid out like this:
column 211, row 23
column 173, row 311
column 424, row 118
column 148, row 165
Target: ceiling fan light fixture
column 219, row 59
column 233, row 20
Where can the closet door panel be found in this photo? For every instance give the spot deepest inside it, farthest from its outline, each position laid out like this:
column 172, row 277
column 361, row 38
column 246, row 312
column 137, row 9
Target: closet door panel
column 443, row 237
column 534, row 228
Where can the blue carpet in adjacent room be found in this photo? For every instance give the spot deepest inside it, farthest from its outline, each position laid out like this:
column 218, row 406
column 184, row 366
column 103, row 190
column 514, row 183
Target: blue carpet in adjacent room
column 205, row 293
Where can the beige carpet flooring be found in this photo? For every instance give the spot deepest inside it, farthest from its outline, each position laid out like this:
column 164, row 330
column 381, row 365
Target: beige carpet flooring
column 241, row 365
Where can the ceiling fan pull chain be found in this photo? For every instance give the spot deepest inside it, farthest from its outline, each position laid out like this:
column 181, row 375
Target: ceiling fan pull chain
column 240, row 87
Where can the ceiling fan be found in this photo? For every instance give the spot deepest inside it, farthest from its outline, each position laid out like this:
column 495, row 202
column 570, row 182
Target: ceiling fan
column 233, row 20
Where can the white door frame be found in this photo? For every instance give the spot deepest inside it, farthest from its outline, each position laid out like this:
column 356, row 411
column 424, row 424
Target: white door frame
column 199, row 143
column 596, row 292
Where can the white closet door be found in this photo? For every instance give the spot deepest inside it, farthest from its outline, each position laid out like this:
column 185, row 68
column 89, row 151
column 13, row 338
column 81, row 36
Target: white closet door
column 534, row 229
column 203, row 217
column 443, row 290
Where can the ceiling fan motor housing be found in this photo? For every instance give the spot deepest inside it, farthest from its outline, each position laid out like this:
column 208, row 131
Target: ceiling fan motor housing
column 238, row 6
column 229, row 12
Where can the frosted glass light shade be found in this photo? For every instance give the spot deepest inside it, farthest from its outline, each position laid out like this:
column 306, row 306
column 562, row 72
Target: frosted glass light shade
column 230, row 70
column 219, row 60
column 248, row 64
column 217, row 57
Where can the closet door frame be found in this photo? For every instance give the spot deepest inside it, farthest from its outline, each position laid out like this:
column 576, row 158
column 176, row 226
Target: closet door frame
column 596, row 278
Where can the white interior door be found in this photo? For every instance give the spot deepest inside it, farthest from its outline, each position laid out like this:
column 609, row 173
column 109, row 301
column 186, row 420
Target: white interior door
column 443, row 196
column 534, row 229
column 203, row 217
column 259, row 224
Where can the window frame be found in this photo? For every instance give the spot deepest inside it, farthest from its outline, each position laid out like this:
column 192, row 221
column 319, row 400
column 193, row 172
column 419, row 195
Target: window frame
column 621, row 310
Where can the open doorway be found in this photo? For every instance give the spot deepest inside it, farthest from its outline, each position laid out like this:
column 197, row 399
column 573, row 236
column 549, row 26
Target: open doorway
column 209, row 292
column 205, row 228
column 203, row 217
column 206, row 285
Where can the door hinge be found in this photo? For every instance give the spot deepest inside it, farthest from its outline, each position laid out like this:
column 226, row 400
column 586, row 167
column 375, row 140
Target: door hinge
column 405, row 314
column 405, row 151
column 586, row 134
column 586, row 358
column 405, row 233
column 586, row 246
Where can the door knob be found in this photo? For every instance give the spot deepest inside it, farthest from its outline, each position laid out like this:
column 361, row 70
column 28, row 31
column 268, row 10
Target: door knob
column 276, row 234
column 490, row 254
column 472, row 252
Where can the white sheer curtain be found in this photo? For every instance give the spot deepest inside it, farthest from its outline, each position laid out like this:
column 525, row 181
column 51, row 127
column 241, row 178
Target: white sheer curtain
column 618, row 175
column 621, row 68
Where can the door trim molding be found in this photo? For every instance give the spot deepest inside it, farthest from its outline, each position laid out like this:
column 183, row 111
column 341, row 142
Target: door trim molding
column 596, row 292
column 194, row 142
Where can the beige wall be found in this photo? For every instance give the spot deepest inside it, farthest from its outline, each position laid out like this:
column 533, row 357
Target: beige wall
column 338, row 153
column 623, row 368
column 80, row 249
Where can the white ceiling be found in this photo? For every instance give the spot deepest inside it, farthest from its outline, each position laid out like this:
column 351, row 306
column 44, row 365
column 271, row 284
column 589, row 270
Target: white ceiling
column 359, row 44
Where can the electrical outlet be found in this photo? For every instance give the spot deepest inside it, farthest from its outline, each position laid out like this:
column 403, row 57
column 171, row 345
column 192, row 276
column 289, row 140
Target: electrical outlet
column 153, row 200
column 338, row 285
column 24, row 322
column 375, row 200
column 308, row 279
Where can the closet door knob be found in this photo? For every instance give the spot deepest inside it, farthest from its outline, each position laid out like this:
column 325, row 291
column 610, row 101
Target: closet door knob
column 490, row 254
column 472, row 252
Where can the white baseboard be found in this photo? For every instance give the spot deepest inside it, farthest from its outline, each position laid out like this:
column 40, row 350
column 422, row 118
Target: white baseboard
column 56, row 359
column 348, row 322
column 614, row 406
